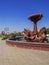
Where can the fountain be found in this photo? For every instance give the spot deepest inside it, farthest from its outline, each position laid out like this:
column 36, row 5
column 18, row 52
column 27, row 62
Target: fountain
column 31, row 40
column 35, row 35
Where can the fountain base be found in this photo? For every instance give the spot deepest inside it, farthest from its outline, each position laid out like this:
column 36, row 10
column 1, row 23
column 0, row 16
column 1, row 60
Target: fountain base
column 29, row 45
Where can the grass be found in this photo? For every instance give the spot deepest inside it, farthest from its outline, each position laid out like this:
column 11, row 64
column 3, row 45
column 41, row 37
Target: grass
column 1, row 36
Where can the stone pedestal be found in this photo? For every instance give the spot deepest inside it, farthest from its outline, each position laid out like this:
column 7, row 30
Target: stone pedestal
column 35, row 28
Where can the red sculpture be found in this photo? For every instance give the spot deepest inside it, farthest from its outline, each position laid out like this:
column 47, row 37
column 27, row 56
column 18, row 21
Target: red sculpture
column 35, row 35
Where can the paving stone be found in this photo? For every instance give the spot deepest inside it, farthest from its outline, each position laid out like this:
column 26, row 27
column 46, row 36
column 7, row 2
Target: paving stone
column 19, row 56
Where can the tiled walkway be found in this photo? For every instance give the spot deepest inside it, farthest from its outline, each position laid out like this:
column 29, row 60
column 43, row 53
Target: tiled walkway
column 18, row 56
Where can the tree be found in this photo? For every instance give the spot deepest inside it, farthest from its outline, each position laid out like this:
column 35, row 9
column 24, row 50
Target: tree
column 47, row 31
column 3, row 33
column 12, row 35
column 6, row 29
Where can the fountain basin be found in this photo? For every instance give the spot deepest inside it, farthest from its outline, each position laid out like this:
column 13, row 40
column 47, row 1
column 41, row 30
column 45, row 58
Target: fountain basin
column 29, row 45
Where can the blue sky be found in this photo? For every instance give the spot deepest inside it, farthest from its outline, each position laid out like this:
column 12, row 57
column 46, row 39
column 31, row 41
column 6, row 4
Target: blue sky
column 14, row 14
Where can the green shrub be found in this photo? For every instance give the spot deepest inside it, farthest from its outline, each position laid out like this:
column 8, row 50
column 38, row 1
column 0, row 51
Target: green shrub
column 4, row 37
column 47, row 31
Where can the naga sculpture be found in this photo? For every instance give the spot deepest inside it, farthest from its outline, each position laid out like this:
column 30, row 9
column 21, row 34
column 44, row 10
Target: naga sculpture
column 35, row 35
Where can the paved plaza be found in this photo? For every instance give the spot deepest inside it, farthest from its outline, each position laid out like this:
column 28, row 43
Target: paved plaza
column 19, row 56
